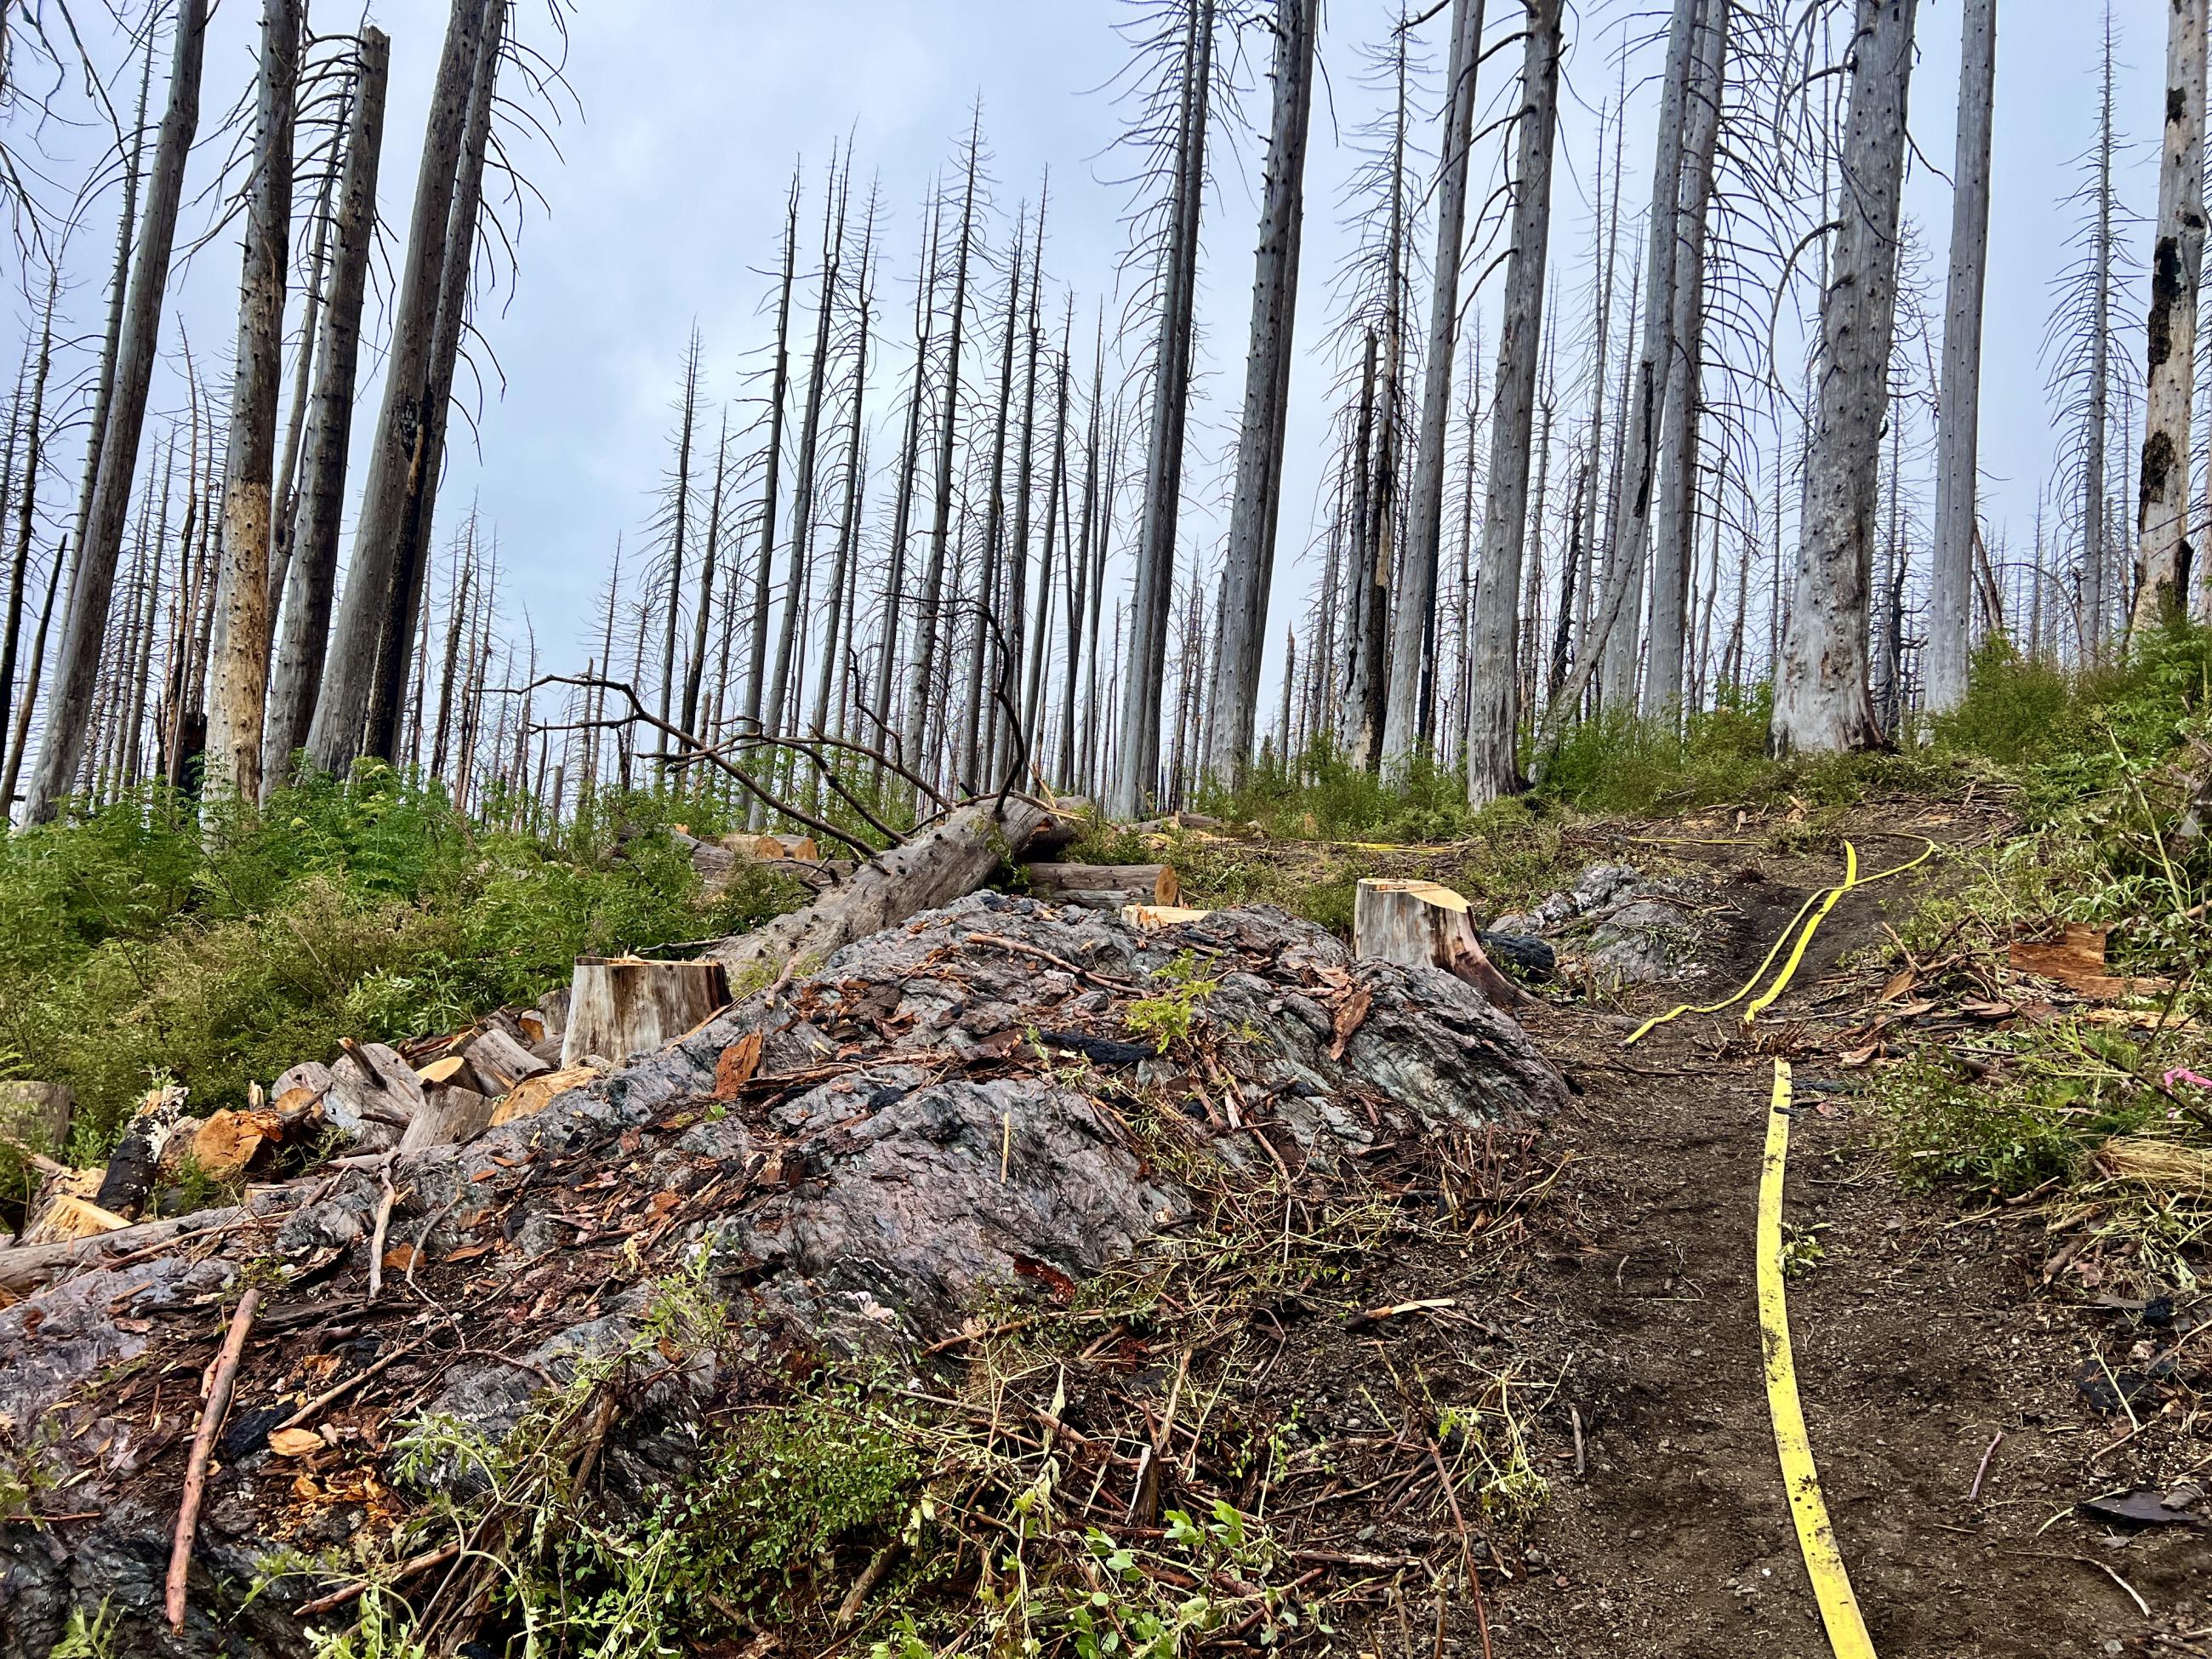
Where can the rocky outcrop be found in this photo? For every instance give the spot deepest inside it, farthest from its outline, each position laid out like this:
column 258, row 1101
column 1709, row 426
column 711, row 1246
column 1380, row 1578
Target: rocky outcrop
column 1615, row 927
column 995, row 1097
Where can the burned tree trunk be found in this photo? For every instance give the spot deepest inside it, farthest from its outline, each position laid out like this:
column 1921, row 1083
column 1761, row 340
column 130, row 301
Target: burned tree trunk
column 1136, row 772
column 929, row 622
column 1823, row 701
column 238, row 660
column 1673, row 525
column 2163, row 552
column 411, row 563
column 311, row 573
column 778, row 393
column 1256, row 511
column 1403, row 721
column 1616, row 631
column 1959, row 414
column 400, row 449
column 1493, row 725
column 27, row 505
column 85, row 629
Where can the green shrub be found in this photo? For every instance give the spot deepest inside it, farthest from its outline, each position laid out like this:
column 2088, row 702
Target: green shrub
column 2012, row 708
column 141, row 941
column 790, row 1486
column 1618, row 764
column 1324, row 796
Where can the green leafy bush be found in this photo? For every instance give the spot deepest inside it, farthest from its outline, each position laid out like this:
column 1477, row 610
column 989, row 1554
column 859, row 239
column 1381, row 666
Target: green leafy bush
column 143, row 940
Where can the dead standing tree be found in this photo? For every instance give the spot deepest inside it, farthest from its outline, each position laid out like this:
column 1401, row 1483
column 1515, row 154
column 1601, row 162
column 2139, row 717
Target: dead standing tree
column 1672, row 525
column 238, row 660
column 400, row 450
column 1494, row 719
column 2163, row 551
column 1247, row 571
column 311, row 572
column 116, row 461
column 1406, row 715
column 1957, row 432
column 2084, row 354
column 929, row 620
column 1136, row 773
column 1823, row 703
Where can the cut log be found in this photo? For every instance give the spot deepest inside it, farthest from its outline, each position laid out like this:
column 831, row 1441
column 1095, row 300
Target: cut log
column 38, row 1113
column 70, row 1218
column 451, row 1113
column 373, row 1095
column 535, row 1095
column 630, row 1007
column 1146, row 917
column 58, row 1182
column 28, row 1266
column 946, row 863
column 441, row 1071
column 1424, row 924
column 229, row 1141
column 498, row 1062
column 1105, row 886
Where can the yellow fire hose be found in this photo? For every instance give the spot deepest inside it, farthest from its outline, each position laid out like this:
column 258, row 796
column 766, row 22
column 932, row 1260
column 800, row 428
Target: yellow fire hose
column 1826, row 900
column 1816, row 1536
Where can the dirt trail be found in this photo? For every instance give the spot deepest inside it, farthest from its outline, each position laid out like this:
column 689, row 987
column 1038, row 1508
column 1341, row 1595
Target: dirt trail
column 1918, row 1340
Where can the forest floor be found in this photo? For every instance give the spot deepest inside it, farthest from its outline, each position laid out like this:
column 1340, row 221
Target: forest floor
column 1926, row 1328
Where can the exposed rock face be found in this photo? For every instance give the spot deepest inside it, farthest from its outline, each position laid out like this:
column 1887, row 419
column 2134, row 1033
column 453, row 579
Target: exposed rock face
column 1617, row 926
column 978, row 1099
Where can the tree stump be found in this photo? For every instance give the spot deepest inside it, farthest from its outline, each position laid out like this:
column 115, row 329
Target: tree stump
column 627, row 1007
column 1424, row 924
column 38, row 1112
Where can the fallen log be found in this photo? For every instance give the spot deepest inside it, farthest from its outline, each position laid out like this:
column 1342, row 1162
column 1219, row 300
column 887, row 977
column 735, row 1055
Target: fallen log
column 1426, row 924
column 29, row 1267
column 1104, row 887
column 936, row 867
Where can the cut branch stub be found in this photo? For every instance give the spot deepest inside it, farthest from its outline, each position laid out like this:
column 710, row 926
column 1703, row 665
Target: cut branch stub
column 627, row 1007
column 1424, row 924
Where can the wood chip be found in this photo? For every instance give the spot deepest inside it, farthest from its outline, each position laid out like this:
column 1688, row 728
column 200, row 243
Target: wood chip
column 295, row 1443
column 737, row 1066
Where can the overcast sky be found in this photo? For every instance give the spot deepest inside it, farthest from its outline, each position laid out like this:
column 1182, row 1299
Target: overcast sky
column 664, row 204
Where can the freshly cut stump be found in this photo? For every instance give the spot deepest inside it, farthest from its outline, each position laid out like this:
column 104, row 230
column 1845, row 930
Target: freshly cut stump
column 621, row 1008
column 1423, row 924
